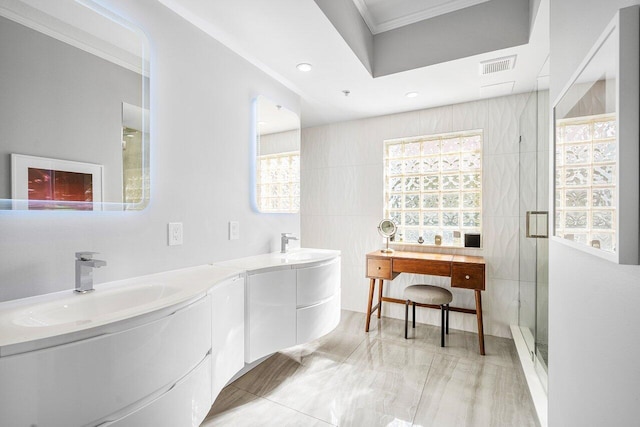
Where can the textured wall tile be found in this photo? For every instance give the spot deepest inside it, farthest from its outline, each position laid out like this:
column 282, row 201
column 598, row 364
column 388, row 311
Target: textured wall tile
column 527, row 254
column 543, row 178
column 469, row 116
column 528, row 181
column 527, row 295
column 314, row 150
column 500, row 185
column 348, row 190
column 501, row 247
column 355, row 288
column 436, row 120
column 503, row 124
column 397, row 125
column 500, row 302
column 528, row 124
column 342, row 202
column 355, row 236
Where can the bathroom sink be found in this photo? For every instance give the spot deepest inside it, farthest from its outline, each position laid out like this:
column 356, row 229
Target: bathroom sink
column 304, row 255
column 86, row 308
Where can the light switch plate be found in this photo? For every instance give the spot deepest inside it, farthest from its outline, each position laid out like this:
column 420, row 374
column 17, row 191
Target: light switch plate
column 174, row 230
column 234, row 230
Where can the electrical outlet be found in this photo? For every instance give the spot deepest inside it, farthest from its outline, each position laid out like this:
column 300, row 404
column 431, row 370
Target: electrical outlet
column 174, row 233
column 234, row 230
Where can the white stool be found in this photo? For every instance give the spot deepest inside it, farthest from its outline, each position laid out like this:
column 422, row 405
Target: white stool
column 432, row 295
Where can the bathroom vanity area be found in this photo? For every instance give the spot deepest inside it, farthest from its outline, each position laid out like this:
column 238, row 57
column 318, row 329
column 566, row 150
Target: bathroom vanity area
column 157, row 350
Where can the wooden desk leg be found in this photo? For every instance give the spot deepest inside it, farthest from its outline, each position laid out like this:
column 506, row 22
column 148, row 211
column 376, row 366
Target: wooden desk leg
column 372, row 287
column 479, row 315
column 380, row 298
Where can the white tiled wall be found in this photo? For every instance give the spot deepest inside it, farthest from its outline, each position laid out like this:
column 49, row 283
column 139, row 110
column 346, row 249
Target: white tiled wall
column 342, row 202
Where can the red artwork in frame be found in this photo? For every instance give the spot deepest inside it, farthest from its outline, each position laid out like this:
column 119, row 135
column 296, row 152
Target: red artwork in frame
column 55, row 185
column 40, row 183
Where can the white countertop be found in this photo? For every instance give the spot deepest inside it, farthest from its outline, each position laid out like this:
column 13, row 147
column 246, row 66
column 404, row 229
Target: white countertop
column 294, row 258
column 21, row 320
column 28, row 322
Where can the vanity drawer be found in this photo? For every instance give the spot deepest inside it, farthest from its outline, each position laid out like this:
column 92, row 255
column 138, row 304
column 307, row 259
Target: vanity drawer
column 379, row 268
column 469, row 276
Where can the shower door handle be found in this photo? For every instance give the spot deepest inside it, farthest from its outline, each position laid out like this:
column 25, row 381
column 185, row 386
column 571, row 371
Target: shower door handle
column 537, row 224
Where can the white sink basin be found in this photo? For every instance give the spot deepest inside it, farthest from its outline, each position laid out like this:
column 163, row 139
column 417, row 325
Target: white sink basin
column 81, row 309
column 296, row 257
column 304, row 256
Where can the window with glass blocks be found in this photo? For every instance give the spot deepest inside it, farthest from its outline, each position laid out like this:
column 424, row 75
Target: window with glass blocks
column 278, row 179
column 433, row 187
column 586, row 156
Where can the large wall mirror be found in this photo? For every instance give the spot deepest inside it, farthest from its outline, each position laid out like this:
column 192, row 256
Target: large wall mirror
column 596, row 148
column 277, row 183
column 74, row 109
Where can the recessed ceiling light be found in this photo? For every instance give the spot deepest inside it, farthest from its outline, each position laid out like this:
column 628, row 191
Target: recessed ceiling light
column 411, row 94
column 304, row 67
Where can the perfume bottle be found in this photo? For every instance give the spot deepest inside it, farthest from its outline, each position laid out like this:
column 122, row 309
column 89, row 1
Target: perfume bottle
column 457, row 241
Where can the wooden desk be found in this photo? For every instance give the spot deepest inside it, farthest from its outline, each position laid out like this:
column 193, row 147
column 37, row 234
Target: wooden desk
column 465, row 271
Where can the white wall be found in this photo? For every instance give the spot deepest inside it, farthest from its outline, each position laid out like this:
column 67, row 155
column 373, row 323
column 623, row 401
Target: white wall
column 342, row 202
column 593, row 304
column 201, row 133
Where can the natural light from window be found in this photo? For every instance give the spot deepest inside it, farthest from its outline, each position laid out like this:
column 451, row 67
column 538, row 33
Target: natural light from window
column 278, row 179
column 433, row 187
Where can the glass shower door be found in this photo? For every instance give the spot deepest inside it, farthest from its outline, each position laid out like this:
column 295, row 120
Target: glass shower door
column 533, row 218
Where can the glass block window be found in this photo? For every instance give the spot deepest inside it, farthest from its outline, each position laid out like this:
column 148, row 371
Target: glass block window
column 585, row 180
column 433, row 187
column 278, row 179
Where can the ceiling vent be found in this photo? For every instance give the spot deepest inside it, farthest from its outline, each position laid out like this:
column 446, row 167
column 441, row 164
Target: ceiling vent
column 496, row 65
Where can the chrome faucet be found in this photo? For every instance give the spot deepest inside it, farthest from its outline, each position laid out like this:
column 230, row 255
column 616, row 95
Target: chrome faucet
column 84, row 270
column 284, row 241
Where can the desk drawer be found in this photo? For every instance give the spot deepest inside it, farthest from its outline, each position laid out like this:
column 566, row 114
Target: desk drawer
column 379, row 268
column 469, row 276
column 420, row 266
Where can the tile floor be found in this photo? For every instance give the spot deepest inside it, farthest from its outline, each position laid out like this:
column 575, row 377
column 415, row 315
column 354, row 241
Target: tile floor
column 351, row 378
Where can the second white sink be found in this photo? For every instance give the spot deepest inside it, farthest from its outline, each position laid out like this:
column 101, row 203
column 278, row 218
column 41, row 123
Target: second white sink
column 81, row 309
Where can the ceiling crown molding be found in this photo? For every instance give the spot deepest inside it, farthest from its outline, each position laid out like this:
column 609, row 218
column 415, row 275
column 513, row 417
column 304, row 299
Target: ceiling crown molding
column 430, row 12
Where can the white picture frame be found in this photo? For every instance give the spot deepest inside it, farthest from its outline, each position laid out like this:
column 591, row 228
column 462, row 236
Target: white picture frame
column 20, row 191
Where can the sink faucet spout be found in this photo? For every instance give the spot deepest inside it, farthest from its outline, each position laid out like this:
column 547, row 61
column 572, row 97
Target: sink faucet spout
column 284, row 241
column 84, row 270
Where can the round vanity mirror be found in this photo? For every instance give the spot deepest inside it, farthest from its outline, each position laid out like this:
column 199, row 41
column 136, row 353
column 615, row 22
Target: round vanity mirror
column 387, row 229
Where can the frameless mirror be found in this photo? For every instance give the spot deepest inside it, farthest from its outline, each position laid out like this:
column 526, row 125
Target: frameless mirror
column 74, row 115
column 387, row 229
column 596, row 148
column 277, row 183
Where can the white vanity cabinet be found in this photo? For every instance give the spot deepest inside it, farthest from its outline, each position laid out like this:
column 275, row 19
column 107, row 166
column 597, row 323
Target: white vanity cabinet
column 290, row 305
column 186, row 404
column 103, row 379
column 157, row 350
column 318, row 300
column 271, row 312
column 227, row 331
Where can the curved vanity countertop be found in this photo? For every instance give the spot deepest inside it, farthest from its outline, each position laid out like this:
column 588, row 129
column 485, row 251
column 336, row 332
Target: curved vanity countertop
column 28, row 321
column 295, row 258
column 56, row 318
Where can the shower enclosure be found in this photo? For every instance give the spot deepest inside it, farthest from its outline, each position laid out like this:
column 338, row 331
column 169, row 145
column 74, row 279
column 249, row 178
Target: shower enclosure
column 533, row 242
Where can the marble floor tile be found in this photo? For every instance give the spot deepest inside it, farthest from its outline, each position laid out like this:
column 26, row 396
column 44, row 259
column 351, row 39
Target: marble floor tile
column 461, row 392
column 500, row 351
column 235, row 407
column 353, row 378
column 337, row 346
column 393, row 357
column 345, row 396
column 281, row 371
